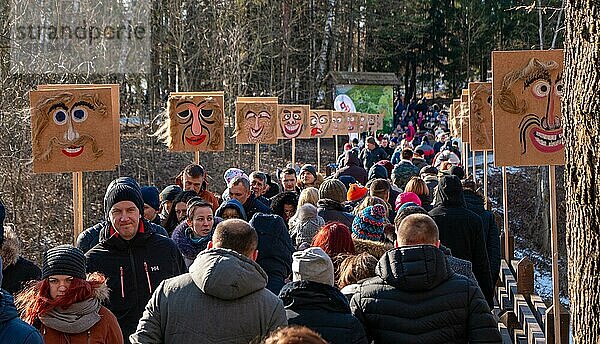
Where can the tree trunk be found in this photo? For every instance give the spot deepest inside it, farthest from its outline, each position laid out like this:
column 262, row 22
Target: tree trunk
column 581, row 107
column 324, row 53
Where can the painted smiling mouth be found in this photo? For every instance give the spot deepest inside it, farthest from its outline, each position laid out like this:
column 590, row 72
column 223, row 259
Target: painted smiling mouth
column 196, row 139
column 291, row 129
column 316, row 131
column 72, row 152
column 546, row 141
column 350, row 127
column 256, row 132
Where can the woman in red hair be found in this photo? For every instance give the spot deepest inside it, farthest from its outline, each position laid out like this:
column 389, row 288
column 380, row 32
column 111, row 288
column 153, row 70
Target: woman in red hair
column 65, row 306
column 335, row 239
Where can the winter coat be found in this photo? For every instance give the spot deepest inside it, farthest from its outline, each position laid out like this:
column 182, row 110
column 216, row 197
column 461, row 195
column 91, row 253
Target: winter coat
column 222, row 300
column 182, row 236
column 331, row 210
column 491, row 234
column 13, row 330
column 105, row 331
column 352, row 166
column 232, row 203
column 460, row 266
column 370, row 157
column 133, row 270
column 305, row 224
column 402, row 173
column 377, row 171
column 17, row 270
column 275, row 249
column 253, row 206
column 210, row 198
column 375, row 248
column 419, row 163
column 323, row 309
column 461, row 230
column 417, row 298
column 91, row 236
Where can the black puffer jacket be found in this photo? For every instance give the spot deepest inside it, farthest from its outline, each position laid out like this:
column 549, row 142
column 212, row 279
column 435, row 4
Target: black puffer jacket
column 133, row 270
column 352, row 167
column 461, row 230
column 331, row 210
column 416, row 298
column 275, row 249
column 323, row 309
column 253, row 206
column 91, row 236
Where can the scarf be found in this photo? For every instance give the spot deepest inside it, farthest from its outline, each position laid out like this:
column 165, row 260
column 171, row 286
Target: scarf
column 77, row 318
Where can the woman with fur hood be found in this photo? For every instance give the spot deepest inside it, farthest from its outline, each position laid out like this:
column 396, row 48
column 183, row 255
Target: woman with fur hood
column 65, row 306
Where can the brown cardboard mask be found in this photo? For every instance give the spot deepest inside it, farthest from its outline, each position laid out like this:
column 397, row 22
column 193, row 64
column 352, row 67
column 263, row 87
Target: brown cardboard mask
column 292, row 120
column 480, row 121
column 526, row 95
column 352, row 122
column 379, row 121
column 319, row 123
column 371, row 122
column 196, row 122
column 256, row 120
column 363, row 123
column 464, row 110
column 338, row 123
column 73, row 129
column 455, row 127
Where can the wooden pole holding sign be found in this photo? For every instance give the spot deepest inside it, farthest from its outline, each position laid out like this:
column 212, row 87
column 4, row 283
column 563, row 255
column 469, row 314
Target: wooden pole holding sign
column 507, row 253
column 293, row 152
column 485, row 179
column 337, row 153
column 197, row 157
column 257, row 157
column 474, row 167
column 554, row 233
column 77, row 205
column 318, row 154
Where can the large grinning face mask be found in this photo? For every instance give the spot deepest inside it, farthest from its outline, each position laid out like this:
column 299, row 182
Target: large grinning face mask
column 255, row 122
column 196, row 122
column 292, row 120
column 72, row 130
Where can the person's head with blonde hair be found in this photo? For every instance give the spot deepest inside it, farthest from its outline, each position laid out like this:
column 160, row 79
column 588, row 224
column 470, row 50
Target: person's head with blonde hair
column 370, row 201
column 308, row 195
column 356, row 268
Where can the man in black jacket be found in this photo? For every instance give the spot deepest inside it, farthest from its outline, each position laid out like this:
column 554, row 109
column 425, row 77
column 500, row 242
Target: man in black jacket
column 133, row 257
column 416, row 298
column 372, row 153
column 461, row 230
column 239, row 188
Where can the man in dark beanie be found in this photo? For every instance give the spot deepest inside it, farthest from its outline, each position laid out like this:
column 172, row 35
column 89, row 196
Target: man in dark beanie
column 166, row 198
column 131, row 254
column 91, row 236
column 461, row 230
column 308, row 176
column 150, row 196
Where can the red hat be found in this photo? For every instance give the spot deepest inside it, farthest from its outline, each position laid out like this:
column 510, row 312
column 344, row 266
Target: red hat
column 356, row 192
column 406, row 197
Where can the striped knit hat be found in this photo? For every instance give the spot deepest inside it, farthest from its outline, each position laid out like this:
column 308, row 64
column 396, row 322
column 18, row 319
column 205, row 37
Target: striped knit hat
column 369, row 224
column 64, row 260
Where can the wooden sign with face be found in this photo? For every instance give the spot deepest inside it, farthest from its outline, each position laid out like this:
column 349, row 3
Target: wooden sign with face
column 379, row 121
column 363, row 122
column 319, row 124
column 372, row 122
column 196, row 122
column 292, row 121
column 338, row 123
column 480, row 121
column 73, row 129
column 352, row 122
column 455, row 123
column 526, row 94
column 464, row 110
column 256, row 120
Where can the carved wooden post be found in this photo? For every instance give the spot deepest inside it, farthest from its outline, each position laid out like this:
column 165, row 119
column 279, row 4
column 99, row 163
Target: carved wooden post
column 565, row 319
column 525, row 277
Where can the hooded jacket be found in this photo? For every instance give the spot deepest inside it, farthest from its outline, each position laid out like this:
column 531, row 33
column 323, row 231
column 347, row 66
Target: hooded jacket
column 17, row 270
column 253, row 206
column 232, row 203
column 352, row 167
column 331, row 210
column 461, row 230
column 323, row 309
column 91, row 236
column 275, row 249
column 222, row 300
column 133, row 270
column 491, row 233
column 402, row 172
column 106, row 330
column 417, row 298
column 12, row 329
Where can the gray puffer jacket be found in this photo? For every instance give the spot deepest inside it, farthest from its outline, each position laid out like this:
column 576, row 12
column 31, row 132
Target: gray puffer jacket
column 221, row 300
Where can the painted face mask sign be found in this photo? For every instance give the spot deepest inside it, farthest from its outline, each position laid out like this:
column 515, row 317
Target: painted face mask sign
column 480, row 121
column 338, row 123
column 455, row 123
column 379, row 121
column 363, row 122
column 526, row 92
column 464, row 110
column 256, row 120
column 352, row 122
column 75, row 128
column 371, row 126
column 319, row 124
column 292, row 120
column 196, row 122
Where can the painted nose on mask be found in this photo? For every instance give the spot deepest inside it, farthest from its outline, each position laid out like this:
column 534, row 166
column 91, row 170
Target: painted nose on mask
column 71, row 134
column 196, row 127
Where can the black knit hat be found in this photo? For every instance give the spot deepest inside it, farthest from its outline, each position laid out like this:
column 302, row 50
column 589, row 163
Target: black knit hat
column 310, row 169
column 64, row 260
column 123, row 189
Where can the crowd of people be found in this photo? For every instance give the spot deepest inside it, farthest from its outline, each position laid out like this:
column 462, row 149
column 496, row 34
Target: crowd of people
column 395, row 246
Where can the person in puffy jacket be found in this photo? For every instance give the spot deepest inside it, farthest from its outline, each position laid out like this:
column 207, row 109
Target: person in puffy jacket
column 417, row 298
column 352, row 166
column 312, row 300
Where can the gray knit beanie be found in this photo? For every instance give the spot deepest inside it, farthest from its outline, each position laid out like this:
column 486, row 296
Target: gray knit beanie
column 334, row 190
column 312, row 264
